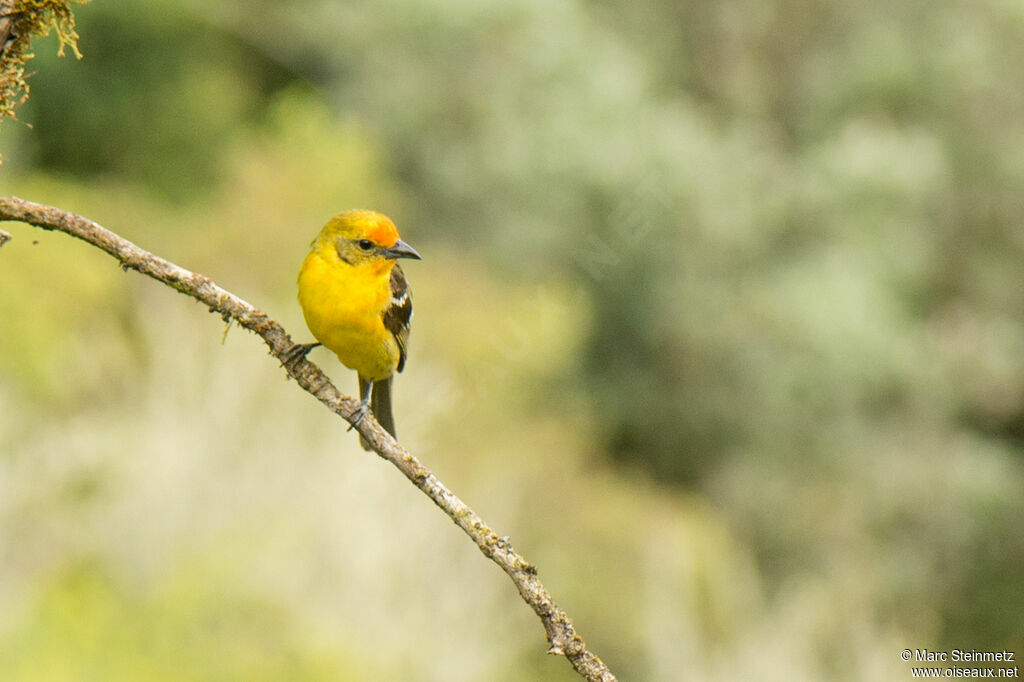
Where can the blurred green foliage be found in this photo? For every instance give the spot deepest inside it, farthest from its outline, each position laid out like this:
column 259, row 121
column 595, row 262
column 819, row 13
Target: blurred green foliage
column 188, row 86
column 766, row 256
column 86, row 626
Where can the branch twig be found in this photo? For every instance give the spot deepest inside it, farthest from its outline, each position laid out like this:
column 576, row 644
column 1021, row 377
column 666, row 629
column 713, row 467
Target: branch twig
column 561, row 635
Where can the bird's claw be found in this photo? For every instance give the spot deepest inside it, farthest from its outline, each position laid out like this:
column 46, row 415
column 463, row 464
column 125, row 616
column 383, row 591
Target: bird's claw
column 358, row 416
column 297, row 352
column 364, row 408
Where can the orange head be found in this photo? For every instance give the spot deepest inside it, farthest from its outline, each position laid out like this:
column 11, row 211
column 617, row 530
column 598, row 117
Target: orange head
column 361, row 236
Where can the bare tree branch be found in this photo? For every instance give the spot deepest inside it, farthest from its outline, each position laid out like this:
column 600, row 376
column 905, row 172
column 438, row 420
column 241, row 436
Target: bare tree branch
column 561, row 635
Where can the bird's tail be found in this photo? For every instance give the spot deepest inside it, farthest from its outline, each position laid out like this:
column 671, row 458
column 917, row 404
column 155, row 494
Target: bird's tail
column 380, row 405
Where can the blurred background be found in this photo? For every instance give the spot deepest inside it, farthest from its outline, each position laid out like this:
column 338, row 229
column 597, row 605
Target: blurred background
column 719, row 318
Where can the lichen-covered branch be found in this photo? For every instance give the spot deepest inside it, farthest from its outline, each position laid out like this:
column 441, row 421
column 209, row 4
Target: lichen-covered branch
column 561, row 635
column 21, row 21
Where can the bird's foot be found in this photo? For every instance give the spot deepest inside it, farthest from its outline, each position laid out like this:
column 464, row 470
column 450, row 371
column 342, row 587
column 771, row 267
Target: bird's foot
column 297, row 352
column 364, row 408
column 358, row 416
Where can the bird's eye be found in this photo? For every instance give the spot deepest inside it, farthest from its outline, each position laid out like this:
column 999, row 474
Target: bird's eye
column 365, row 244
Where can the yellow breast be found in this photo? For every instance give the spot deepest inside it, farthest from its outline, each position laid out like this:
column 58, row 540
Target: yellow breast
column 344, row 305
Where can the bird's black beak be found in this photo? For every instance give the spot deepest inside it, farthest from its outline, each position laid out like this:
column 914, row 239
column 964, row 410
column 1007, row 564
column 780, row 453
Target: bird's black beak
column 402, row 250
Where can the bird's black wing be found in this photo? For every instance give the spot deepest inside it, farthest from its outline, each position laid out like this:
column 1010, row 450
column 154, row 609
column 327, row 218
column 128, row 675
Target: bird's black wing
column 398, row 315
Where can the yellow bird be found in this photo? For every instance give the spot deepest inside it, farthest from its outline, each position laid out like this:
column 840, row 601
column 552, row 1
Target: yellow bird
column 357, row 303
